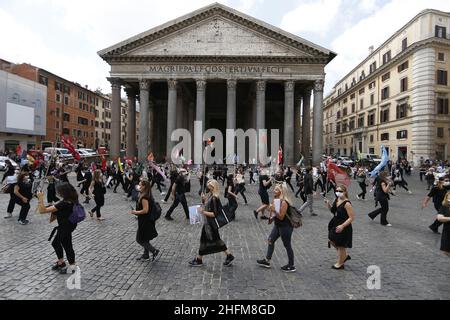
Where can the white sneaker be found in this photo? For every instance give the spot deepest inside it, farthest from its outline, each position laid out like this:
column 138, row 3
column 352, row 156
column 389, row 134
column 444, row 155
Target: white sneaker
column 163, row 201
column 163, row 193
column 389, row 225
column 357, row 197
column 410, row 192
column 8, row 215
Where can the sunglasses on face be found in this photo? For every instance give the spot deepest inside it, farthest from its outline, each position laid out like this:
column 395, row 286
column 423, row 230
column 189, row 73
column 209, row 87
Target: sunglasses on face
column 339, row 191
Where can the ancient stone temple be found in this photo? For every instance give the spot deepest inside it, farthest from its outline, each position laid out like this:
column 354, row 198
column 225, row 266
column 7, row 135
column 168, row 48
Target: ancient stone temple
column 224, row 68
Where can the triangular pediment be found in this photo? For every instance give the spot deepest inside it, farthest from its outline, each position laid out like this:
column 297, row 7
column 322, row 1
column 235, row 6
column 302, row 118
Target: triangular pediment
column 217, row 36
column 216, row 30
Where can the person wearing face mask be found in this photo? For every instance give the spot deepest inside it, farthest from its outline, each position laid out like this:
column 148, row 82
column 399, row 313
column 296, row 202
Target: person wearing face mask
column 444, row 217
column 382, row 197
column 437, row 193
column 340, row 231
column 210, row 241
column 22, row 195
column 282, row 228
column 146, row 226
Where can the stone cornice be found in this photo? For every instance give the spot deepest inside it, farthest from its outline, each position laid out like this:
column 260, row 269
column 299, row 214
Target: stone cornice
column 382, row 69
column 220, row 11
column 215, row 59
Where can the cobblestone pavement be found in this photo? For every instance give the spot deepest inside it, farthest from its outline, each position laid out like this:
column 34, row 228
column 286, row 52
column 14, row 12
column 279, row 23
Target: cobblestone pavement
column 412, row 267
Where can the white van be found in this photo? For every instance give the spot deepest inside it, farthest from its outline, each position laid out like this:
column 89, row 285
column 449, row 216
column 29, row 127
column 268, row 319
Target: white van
column 62, row 153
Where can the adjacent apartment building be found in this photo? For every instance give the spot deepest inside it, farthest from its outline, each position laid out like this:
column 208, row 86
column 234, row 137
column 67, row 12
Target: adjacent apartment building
column 23, row 108
column 397, row 97
column 71, row 108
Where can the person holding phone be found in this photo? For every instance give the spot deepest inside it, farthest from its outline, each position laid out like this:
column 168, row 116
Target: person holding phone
column 340, row 231
column 282, row 228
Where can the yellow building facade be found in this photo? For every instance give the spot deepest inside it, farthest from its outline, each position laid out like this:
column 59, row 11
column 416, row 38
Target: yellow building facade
column 397, row 97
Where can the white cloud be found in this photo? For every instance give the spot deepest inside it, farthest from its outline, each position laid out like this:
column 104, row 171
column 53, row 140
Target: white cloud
column 314, row 17
column 352, row 45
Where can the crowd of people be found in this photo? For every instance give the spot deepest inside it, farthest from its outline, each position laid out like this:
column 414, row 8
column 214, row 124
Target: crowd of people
column 137, row 180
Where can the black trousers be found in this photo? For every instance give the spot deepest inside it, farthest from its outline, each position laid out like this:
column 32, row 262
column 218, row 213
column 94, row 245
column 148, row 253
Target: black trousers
column 251, row 178
column 25, row 208
column 179, row 198
column 288, row 182
column 363, row 187
column 319, row 182
column 11, row 204
column 63, row 243
column 158, row 185
column 169, row 192
column 383, row 210
column 119, row 180
column 240, row 190
column 435, row 225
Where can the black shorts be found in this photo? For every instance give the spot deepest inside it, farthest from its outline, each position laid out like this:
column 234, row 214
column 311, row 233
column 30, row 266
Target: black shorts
column 264, row 197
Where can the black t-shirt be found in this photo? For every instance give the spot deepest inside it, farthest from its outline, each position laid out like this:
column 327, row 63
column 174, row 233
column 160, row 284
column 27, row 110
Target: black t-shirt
column 437, row 195
column 25, row 190
column 261, row 184
column 65, row 209
column 180, row 182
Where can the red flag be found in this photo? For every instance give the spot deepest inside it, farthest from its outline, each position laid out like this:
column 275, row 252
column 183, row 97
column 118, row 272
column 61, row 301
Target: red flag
column 19, row 150
column 103, row 164
column 337, row 174
column 67, row 142
column 280, row 155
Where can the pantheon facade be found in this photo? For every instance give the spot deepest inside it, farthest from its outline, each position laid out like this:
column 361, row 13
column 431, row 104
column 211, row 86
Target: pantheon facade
column 226, row 69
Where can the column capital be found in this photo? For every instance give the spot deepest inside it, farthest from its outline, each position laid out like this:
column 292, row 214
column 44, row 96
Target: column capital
column 144, row 84
column 201, row 84
column 289, row 85
column 231, row 84
column 116, row 83
column 172, row 84
column 261, row 85
column 318, row 85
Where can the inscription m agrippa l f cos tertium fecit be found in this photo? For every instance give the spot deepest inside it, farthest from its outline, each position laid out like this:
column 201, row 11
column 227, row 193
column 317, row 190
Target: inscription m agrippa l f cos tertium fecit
column 216, row 69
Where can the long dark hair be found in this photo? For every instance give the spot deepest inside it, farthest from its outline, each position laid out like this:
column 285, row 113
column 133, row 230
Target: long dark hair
column 21, row 177
column 68, row 192
column 146, row 191
column 230, row 182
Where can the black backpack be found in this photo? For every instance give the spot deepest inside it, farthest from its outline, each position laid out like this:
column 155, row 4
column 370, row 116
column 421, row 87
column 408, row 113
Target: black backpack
column 156, row 211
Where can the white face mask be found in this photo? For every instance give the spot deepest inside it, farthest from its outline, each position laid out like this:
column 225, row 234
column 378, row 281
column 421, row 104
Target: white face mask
column 447, row 184
column 339, row 194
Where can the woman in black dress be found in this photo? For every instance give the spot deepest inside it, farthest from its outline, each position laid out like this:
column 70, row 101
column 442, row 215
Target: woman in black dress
column 98, row 189
column 146, row 226
column 340, row 232
column 210, row 241
column 444, row 217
